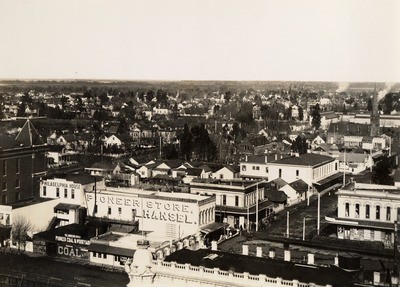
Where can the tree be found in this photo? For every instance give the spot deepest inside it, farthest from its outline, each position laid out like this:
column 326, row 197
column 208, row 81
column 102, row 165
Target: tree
column 381, row 172
column 19, row 232
column 300, row 145
column 316, row 117
column 186, row 143
column 170, row 152
column 369, row 104
column 301, row 114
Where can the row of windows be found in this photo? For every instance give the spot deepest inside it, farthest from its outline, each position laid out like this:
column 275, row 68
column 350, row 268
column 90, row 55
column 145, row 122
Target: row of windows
column 254, row 167
column 368, row 211
column 109, row 211
column 58, row 192
column 100, row 255
column 17, row 166
column 4, row 198
column 4, row 184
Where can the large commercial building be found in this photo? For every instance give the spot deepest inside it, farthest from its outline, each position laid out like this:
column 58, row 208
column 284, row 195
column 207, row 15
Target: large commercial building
column 367, row 212
column 170, row 215
column 237, row 200
column 22, row 163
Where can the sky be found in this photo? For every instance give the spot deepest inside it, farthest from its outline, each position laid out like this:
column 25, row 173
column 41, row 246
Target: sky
column 299, row 40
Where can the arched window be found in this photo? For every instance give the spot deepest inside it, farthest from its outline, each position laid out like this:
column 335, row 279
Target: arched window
column 357, row 215
column 388, row 212
column 378, row 212
column 367, row 211
column 347, row 209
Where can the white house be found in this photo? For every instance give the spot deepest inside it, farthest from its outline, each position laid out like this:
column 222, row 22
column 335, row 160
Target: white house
column 227, row 172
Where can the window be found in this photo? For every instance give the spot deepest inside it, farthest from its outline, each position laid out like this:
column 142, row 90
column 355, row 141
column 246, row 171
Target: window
column 4, row 199
column 257, row 167
column 72, row 193
column 17, row 183
column 4, row 185
column 388, row 211
column 133, row 214
column 17, row 196
column 297, row 173
column 335, row 165
column 94, row 254
column 4, row 167
column 57, row 192
column 378, row 212
column 119, row 210
column 236, row 200
column 44, row 191
column 280, row 172
column 253, row 167
column 224, row 199
column 95, row 208
column 367, row 211
column 221, row 176
column 266, row 169
column 17, row 166
column 347, row 209
column 243, row 167
column 65, row 193
column 109, row 210
column 357, row 210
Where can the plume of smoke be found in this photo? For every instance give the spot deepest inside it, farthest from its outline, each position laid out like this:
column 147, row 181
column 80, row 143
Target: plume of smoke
column 343, row 86
column 385, row 91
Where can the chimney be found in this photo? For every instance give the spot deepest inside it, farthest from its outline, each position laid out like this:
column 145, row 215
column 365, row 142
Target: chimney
column 377, row 278
column 286, row 255
column 245, row 249
column 259, row 251
column 214, row 245
column 375, row 115
column 271, row 253
column 310, row 258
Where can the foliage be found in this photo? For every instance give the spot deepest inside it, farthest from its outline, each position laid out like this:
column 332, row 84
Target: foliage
column 186, row 143
column 19, row 232
column 381, row 172
column 300, row 145
column 169, row 151
column 316, row 117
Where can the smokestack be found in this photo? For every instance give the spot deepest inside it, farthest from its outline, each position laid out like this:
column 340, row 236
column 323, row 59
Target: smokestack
column 375, row 115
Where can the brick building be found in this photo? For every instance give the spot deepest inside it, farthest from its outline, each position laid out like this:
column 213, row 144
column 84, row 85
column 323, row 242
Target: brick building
column 22, row 163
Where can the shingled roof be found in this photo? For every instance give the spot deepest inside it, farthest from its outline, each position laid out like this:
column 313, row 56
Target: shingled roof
column 28, row 136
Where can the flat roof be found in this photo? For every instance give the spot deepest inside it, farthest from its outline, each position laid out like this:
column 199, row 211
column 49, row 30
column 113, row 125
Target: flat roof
column 308, row 159
column 272, row 268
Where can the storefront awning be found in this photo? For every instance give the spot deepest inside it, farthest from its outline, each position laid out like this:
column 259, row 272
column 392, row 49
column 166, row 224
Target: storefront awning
column 66, row 206
column 213, row 227
column 102, row 248
column 329, row 178
column 360, row 223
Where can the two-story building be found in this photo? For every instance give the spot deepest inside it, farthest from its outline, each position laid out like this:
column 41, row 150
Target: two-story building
column 237, row 201
column 320, row 172
column 367, row 212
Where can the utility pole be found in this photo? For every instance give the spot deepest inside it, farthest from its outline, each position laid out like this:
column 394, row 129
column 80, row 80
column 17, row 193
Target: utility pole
column 257, row 207
column 287, row 224
column 319, row 211
column 304, row 229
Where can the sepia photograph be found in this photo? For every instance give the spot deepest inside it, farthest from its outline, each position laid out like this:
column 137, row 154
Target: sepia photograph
column 200, row 143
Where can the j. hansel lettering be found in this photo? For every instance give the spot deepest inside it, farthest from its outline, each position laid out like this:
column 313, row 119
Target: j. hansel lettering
column 167, row 216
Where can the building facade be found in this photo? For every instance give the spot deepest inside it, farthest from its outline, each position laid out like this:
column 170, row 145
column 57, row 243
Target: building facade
column 22, row 163
column 367, row 212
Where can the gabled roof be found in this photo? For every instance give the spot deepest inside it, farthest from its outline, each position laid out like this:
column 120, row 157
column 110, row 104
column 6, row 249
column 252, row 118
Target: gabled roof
column 69, row 137
column 299, row 185
column 194, row 171
column 28, row 136
column 104, row 166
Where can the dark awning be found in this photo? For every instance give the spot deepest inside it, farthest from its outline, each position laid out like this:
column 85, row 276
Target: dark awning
column 66, row 206
column 360, row 223
column 102, row 248
column 213, row 227
column 329, row 178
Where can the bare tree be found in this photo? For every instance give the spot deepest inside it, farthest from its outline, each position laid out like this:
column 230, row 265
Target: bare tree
column 19, row 232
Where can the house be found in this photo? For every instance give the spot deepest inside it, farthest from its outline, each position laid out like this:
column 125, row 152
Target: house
column 315, row 141
column 68, row 140
column 103, row 169
column 255, row 166
column 327, row 118
column 295, row 191
column 227, row 172
column 118, row 140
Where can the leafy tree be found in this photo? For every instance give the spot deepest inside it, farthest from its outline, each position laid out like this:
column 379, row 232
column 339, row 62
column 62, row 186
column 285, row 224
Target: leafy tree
column 300, row 145
column 149, row 96
column 19, row 232
column 245, row 114
column 186, row 143
column 316, row 117
column 123, row 126
column 381, row 172
column 369, row 104
column 170, row 152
